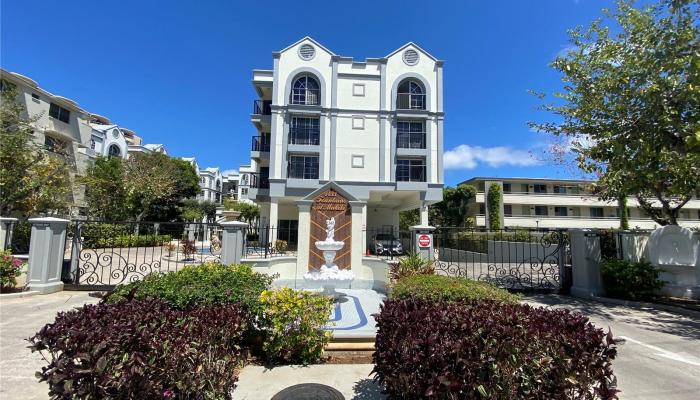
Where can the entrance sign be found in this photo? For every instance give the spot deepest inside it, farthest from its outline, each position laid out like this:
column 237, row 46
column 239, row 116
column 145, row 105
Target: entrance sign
column 327, row 205
column 424, row 241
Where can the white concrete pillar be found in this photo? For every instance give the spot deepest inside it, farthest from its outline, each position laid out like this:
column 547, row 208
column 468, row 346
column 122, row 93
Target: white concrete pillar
column 358, row 245
column 424, row 215
column 274, row 213
column 232, row 242
column 585, row 263
column 303, row 237
column 46, row 250
column 6, row 226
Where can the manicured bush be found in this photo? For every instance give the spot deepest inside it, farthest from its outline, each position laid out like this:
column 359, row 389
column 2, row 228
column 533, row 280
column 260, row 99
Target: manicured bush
column 10, row 269
column 486, row 349
column 493, row 202
column 134, row 241
column 293, row 324
column 630, row 280
column 95, row 235
column 143, row 349
column 197, row 285
column 410, row 265
column 447, row 288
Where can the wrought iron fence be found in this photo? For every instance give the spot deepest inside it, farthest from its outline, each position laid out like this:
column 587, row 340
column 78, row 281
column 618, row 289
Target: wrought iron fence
column 267, row 242
column 102, row 254
column 522, row 259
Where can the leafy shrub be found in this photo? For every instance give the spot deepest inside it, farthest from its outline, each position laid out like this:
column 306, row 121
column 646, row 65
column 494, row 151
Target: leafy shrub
column 170, row 248
column 608, row 243
column 485, row 349
column 451, row 289
column 134, row 241
column 293, row 324
column 197, row 285
column 95, row 235
column 142, row 349
column 10, row 269
column 188, row 247
column 281, row 246
column 410, row 265
column 21, row 231
column 630, row 280
column 493, row 202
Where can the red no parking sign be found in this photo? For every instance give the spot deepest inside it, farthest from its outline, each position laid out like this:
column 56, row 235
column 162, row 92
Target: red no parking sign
column 424, row 241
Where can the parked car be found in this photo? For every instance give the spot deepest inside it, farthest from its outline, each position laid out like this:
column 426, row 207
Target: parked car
column 386, row 243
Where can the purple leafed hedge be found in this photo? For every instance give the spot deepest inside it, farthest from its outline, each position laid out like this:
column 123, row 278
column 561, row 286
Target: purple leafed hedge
column 485, row 349
column 142, row 349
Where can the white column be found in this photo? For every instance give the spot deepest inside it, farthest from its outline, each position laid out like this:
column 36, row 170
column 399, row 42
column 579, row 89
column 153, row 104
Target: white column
column 303, row 238
column 424, row 215
column 274, row 213
column 46, row 249
column 232, row 242
column 6, row 225
column 358, row 219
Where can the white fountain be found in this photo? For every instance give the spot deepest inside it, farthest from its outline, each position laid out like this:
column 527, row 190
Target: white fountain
column 329, row 275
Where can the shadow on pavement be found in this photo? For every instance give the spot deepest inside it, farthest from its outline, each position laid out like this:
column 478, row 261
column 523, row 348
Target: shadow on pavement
column 367, row 389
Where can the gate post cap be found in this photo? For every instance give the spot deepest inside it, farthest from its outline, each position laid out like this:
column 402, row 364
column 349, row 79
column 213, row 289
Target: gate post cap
column 8, row 219
column 422, row 228
column 48, row 220
column 233, row 224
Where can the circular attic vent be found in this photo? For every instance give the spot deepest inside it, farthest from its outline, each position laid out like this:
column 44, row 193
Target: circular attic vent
column 410, row 57
column 307, row 51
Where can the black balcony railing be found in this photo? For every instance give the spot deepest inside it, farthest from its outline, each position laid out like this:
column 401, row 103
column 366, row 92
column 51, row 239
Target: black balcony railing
column 261, row 143
column 309, row 97
column 262, row 107
column 259, row 181
column 410, row 140
column 304, row 136
column 410, row 172
column 408, row 101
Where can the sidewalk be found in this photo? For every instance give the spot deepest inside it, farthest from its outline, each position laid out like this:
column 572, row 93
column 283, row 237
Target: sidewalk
column 20, row 318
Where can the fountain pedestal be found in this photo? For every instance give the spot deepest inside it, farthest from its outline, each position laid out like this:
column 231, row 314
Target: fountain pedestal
column 329, row 275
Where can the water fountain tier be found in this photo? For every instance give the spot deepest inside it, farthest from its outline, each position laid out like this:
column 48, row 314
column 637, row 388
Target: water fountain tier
column 329, row 274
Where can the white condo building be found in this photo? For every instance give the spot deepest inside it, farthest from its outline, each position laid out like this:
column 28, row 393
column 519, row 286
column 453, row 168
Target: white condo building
column 562, row 203
column 371, row 130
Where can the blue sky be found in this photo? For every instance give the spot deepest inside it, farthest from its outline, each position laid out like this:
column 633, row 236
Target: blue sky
column 178, row 72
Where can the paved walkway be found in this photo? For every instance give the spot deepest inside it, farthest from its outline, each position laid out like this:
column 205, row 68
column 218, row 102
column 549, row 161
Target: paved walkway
column 19, row 319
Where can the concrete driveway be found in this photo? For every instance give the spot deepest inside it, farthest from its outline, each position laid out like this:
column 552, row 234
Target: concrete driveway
column 660, row 358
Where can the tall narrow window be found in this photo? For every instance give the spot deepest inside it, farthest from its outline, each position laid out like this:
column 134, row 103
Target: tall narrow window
column 410, row 135
column 410, row 170
column 59, row 113
column 306, row 90
column 304, row 131
column 303, row 167
column 410, row 96
column 114, row 151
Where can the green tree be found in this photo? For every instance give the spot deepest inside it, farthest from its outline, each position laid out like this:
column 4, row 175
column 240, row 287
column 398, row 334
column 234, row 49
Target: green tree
column 454, row 207
column 32, row 179
column 191, row 211
column 186, row 182
column 249, row 212
column 104, row 189
column 493, row 203
column 408, row 219
column 630, row 105
column 149, row 182
column 208, row 209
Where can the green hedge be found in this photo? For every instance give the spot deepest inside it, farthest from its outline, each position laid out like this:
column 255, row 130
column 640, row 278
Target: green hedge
column 94, row 235
column 446, row 288
column 630, row 280
column 134, row 241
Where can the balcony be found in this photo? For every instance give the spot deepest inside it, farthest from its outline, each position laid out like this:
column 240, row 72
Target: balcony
column 410, row 140
column 259, row 181
column 410, row 101
column 262, row 107
column 307, row 97
column 304, row 136
column 260, row 147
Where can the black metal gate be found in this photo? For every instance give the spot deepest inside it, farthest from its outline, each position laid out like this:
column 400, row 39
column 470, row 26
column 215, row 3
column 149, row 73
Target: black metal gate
column 527, row 260
column 100, row 255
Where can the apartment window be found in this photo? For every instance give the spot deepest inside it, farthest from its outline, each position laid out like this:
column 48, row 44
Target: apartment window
column 358, row 89
column 559, row 189
column 507, row 210
column 410, row 96
column 306, row 91
column 596, row 212
column 303, row 167
column 35, row 97
column 561, row 211
column 410, row 135
column 59, row 113
column 304, row 131
column 410, row 170
column 114, row 151
column 526, row 188
column 506, row 188
column 93, row 144
column 540, row 188
column 481, row 186
column 482, row 209
column 287, row 230
column 244, row 191
column 54, row 145
column 541, row 210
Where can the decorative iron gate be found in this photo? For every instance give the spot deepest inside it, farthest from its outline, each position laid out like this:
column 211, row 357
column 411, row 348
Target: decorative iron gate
column 100, row 255
column 521, row 259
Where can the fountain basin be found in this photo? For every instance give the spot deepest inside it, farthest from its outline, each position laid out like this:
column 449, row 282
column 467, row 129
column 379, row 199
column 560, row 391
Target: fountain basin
column 326, row 245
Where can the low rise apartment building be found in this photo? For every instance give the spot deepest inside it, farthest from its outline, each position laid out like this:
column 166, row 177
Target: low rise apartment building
column 562, row 203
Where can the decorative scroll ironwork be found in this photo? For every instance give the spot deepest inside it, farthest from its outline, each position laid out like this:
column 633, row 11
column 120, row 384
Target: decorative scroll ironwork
column 517, row 260
column 99, row 259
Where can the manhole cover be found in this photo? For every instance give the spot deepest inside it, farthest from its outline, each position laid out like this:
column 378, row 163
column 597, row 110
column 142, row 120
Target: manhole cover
column 308, row 391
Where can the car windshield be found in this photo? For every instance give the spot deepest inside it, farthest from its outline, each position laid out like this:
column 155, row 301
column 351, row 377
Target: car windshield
column 385, row 236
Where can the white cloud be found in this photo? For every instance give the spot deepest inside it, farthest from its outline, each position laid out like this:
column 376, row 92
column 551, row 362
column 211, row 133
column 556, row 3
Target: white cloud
column 229, row 171
column 469, row 157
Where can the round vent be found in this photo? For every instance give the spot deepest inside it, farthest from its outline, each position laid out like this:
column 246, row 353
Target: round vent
column 307, row 51
column 410, row 57
column 115, row 133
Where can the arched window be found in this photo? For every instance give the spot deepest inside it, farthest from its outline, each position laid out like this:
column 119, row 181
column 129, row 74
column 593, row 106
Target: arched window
column 410, row 96
column 306, row 90
column 114, row 151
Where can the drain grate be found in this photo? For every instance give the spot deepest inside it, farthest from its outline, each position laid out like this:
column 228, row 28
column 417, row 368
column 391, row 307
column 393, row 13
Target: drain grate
column 308, row 391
